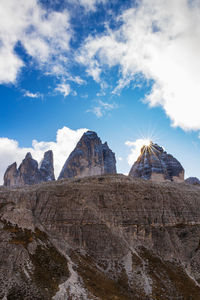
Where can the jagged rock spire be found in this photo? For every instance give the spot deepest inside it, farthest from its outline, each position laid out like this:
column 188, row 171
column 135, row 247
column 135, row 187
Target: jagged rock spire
column 46, row 166
column 90, row 157
column 28, row 171
column 154, row 163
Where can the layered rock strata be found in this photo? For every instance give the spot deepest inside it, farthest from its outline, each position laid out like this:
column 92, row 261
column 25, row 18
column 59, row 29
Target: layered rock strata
column 28, row 171
column 103, row 237
column 90, row 157
column 156, row 164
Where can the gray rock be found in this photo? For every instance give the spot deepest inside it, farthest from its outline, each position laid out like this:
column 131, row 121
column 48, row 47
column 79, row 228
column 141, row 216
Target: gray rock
column 10, row 175
column 156, row 164
column 90, row 157
column 46, row 167
column 192, row 180
column 103, row 237
column 28, row 171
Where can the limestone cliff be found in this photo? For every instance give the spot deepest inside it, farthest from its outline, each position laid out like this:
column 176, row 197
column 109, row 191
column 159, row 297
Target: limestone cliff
column 28, row 171
column 90, row 157
column 156, row 164
column 103, row 237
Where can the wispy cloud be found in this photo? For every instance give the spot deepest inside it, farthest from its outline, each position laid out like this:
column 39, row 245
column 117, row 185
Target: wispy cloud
column 64, row 89
column 102, row 108
column 32, row 95
column 90, row 5
column 76, row 79
column 161, row 41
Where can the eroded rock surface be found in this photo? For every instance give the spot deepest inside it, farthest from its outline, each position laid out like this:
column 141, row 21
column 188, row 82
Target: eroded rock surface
column 103, row 237
column 156, row 164
column 90, row 157
column 28, row 171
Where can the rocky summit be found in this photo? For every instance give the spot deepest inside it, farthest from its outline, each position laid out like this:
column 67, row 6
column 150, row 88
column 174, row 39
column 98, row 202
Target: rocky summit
column 108, row 237
column 90, row 157
column 46, row 167
column 28, row 171
column 192, row 180
column 156, row 164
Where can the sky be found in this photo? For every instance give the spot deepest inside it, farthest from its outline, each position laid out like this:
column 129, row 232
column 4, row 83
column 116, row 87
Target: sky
column 129, row 70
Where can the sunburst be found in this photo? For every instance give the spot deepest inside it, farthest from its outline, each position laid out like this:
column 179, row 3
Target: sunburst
column 148, row 147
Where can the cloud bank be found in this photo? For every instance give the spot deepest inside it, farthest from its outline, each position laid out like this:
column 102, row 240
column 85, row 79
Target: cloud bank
column 159, row 41
column 66, row 140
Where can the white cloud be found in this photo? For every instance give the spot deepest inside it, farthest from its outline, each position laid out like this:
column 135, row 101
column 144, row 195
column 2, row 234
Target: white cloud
column 45, row 36
column 135, row 149
column 161, row 40
column 32, row 95
column 102, row 108
column 77, row 79
column 63, row 88
column 66, row 140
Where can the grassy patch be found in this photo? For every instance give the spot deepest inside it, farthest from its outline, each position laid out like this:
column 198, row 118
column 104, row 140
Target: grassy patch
column 98, row 284
column 169, row 280
column 50, row 268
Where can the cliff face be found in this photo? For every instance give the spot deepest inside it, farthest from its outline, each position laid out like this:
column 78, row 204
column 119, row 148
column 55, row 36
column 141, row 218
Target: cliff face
column 29, row 173
column 90, row 157
column 156, row 164
column 103, row 237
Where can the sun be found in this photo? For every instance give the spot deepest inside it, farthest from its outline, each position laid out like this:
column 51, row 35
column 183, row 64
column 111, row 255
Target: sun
column 147, row 142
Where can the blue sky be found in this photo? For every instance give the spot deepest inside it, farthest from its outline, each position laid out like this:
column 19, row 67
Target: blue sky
column 128, row 70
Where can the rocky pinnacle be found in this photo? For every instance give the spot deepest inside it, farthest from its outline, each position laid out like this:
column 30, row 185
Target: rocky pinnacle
column 90, row 157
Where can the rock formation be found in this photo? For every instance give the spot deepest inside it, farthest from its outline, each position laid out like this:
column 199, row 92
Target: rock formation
column 90, row 157
column 192, row 180
column 46, row 167
column 28, row 171
column 103, row 237
column 154, row 163
column 11, row 175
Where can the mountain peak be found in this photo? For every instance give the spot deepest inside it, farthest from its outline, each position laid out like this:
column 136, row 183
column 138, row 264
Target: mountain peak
column 28, row 171
column 90, row 157
column 156, row 164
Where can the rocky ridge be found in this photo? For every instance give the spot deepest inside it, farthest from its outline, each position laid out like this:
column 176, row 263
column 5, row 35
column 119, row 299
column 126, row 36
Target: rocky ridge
column 156, row 164
column 90, row 157
column 28, row 171
column 102, row 237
